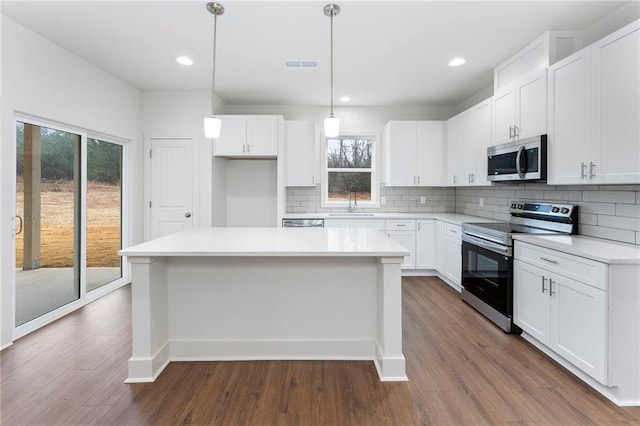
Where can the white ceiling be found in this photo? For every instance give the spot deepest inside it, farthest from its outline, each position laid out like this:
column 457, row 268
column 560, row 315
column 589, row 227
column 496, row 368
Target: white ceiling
column 386, row 53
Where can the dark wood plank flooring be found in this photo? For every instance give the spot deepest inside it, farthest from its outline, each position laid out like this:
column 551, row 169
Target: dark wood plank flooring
column 462, row 370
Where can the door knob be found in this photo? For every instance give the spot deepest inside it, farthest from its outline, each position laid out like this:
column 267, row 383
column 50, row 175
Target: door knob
column 187, row 214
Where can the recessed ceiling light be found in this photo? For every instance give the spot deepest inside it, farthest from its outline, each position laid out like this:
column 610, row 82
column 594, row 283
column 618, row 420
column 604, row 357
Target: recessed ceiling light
column 456, row 62
column 345, row 99
column 183, row 60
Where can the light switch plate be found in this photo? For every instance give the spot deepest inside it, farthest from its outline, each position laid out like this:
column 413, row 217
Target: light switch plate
column 423, row 199
column 481, row 202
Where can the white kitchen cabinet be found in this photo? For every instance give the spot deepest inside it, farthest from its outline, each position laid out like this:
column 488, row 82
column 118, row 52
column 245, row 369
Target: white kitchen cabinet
column 248, row 136
column 404, row 232
column 520, row 110
column 567, row 315
column 452, row 268
column 425, row 244
column 301, row 153
column 469, row 135
column 594, row 105
column 378, row 224
column 439, row 245
column 414, row 153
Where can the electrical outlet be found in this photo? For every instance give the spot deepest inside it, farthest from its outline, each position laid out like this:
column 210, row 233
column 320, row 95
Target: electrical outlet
column 481, row 202
column 423, row 199
column 383, row 199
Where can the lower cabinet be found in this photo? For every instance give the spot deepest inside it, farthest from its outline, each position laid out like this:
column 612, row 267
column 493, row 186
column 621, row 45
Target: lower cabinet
column 452, row 253
column 564, row 314
column 404, row 232
column 425, row 244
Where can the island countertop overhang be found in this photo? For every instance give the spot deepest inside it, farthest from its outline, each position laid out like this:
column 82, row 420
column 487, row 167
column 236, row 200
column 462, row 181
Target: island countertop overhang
column 271, row 242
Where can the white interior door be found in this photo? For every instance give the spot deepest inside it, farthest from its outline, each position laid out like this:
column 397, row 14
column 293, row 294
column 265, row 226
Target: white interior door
column 172, row 172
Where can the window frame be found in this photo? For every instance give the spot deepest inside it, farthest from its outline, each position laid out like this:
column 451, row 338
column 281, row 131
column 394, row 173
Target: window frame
column 374, row 170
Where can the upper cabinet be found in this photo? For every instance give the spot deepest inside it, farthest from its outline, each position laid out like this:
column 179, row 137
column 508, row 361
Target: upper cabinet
column 248, row 136
column 301, row 153
column 520, row 86
column 594, row 105
column 469, row 135
column 414, row 153
column 520, row 111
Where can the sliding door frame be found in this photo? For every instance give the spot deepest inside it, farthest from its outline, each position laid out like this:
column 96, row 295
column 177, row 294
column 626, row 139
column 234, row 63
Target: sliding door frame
column 85, row 297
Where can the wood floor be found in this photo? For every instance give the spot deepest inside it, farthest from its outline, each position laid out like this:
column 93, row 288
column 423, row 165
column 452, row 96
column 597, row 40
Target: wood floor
column 462, row 370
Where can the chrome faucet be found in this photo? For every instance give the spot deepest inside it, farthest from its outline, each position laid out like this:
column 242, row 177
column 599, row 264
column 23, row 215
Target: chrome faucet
column 353, row 191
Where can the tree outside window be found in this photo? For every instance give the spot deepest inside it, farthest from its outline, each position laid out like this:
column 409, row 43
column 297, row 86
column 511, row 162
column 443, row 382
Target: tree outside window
column 350, row 167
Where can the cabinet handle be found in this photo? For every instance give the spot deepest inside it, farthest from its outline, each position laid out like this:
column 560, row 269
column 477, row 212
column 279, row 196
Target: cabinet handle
column 313, row 180
column 418, row 180
column 583, row 170
column 473, row 178
column 549, row 260
column 400, row 224
column 592, row 169
column 454, row 178
column 418, row 226
column 516, row 133
column 248, row 148
column 243, row 147
column 551, row 292
column 543, row 283
column 510, row 132
column 414, row 180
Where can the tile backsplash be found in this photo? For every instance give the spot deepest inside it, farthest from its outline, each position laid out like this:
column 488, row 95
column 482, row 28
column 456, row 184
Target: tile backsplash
column 398, row 200
column 606, row 211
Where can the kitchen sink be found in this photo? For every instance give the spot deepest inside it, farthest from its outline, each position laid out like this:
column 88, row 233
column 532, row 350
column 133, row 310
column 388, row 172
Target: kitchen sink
column 351, row 214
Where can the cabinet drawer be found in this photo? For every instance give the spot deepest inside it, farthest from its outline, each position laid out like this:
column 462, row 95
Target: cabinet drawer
column 355, row 223
column 401, row 225
column 452, row 231
column 578, row 268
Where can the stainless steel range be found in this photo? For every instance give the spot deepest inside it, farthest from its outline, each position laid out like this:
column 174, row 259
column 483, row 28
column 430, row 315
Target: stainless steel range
column 487, row 255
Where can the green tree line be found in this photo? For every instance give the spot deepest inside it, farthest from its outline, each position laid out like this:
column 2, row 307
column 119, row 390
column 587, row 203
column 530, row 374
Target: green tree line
column 104, row 159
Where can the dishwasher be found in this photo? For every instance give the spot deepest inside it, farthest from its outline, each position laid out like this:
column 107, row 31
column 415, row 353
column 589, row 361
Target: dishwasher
column 303, row 223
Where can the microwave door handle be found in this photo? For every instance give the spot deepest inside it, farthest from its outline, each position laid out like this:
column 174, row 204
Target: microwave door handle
column 518, row 157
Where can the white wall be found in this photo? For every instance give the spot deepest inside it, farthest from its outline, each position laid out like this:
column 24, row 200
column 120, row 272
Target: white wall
column 612, row 22
column 251, row 193
column 179, row 114
column 47, row 82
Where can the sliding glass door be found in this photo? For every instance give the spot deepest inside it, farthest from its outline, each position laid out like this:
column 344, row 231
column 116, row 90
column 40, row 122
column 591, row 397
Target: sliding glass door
column 104, row 212
column 69, row 219
column 48, row 210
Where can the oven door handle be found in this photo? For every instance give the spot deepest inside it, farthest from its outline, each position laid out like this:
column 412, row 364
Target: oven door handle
column 488, row 245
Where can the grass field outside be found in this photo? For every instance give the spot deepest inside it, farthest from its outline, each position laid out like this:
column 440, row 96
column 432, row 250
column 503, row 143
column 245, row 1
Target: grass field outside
column 57, row 213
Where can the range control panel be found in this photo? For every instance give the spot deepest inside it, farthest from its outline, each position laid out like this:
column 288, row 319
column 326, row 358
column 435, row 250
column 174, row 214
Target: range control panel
column 529, row 208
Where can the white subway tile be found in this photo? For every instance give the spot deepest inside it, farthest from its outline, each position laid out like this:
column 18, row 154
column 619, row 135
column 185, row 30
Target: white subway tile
column 628, row 210
column 597, row 208
column 627, row 197
column 621, row 235
column 619, row 222
column 588, row 219
column 619, row 187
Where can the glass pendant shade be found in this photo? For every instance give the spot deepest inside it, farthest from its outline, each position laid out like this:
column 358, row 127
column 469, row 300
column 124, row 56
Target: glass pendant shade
column 212, row 127
column 331, row 127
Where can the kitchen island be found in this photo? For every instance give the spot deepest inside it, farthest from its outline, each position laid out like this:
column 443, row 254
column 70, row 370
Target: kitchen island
column 266, row 294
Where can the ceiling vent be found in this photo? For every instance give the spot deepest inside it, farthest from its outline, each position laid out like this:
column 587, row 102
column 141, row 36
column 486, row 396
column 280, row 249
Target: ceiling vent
column 301, row 64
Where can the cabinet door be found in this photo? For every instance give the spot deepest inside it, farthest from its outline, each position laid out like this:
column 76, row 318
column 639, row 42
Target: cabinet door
column 578, row 324
column 453, row 259
column 408, row 240
column 429, row 159
column 439, row 258
column 504, row 116
column 301, row 153
column 569, row 124
column 262, row 135
column 233, row 136
column 426, row 244
column 481, row 133
column 454, row 167
column 616, row 107
column 401, row 150
column 531, row 106
column 531, row 300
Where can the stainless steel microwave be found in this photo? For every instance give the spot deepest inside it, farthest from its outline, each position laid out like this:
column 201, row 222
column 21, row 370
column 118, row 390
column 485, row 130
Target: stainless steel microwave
column 523, row 160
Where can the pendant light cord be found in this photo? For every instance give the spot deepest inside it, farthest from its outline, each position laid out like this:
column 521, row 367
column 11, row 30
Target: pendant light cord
column 213, row 74
column 331, row 64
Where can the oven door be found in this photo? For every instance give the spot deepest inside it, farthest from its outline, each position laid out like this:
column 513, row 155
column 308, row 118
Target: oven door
column 487, row 273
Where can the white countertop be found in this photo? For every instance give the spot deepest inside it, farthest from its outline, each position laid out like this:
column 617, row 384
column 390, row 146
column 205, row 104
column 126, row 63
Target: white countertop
column 591, row 248
column 454, row 218
column 344, row 242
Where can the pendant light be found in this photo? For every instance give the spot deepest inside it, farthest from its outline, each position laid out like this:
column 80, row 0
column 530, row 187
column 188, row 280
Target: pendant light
column 211, row 123
column 331, row 123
